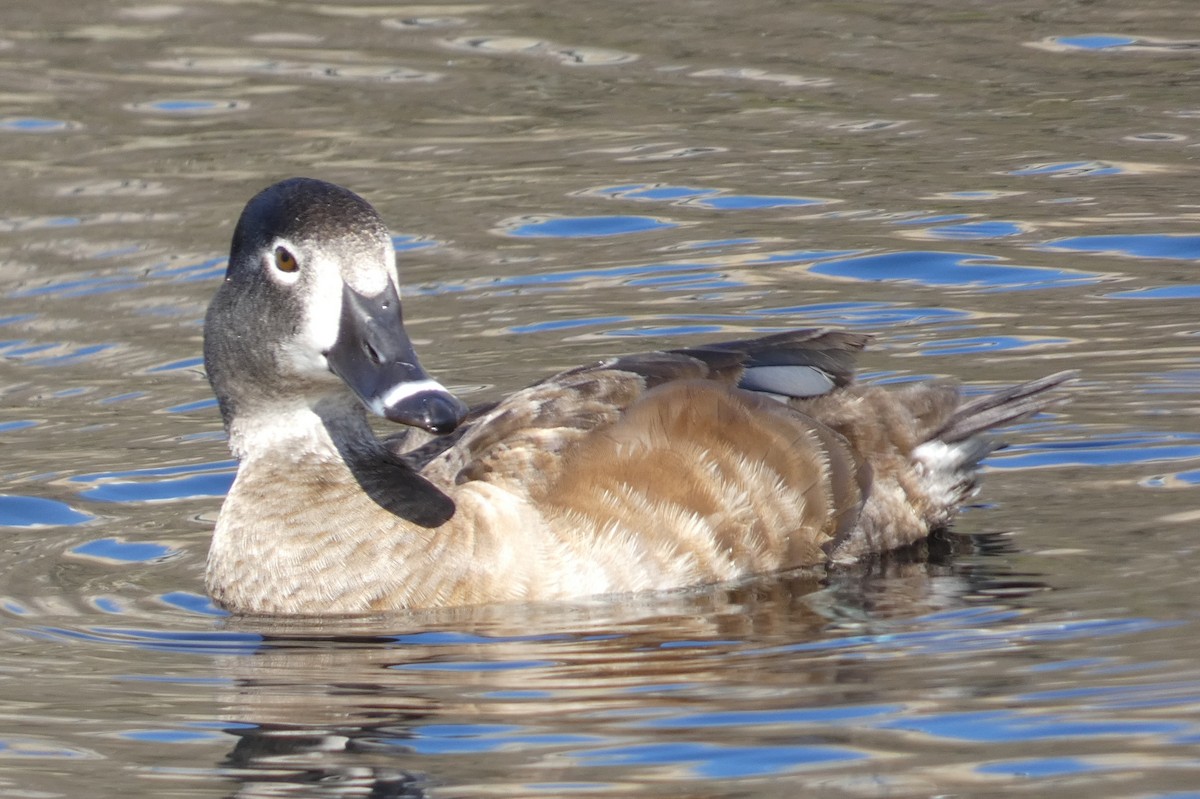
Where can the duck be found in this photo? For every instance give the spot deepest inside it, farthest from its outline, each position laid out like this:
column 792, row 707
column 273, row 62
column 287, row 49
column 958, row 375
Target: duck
column 644, row 472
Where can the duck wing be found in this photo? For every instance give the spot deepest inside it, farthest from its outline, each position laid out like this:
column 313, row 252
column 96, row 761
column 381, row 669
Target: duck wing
column 520, row 439
column 735, row 457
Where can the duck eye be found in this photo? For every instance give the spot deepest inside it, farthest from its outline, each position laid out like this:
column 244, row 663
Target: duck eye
column 285, row 261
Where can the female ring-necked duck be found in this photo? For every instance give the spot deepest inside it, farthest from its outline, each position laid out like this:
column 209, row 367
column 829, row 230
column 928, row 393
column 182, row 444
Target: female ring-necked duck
column 649, row 471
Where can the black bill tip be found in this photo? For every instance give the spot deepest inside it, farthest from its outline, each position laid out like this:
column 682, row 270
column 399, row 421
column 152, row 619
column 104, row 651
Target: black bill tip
column 424, row 404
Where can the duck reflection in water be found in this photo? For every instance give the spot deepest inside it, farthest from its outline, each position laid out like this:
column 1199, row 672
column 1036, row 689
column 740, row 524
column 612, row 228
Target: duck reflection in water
column 396, row 705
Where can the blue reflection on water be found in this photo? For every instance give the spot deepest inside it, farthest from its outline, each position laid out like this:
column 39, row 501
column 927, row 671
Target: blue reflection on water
column 198, row 405
column 1118, row 449
column 791, row 715
column 713, row 198
column 201, row 642
column 1192, row 477
column 85, row 287
column 184, row 105
column 117, row 551
column 107, row 604
column 20, row 348
column 1094, row 41
column 568, row 324
column 1141, row 245
column 974, row 194
column 746, row 202
column 76, row 355
column 690, row 282
column 1070, row 169
column 574, row 227
column 178, row 482
column 864, row 314
column 977, row 638
column 872, row 315
column 35, row 125
column 604, row 273
column 1121, row 697
column 448, row 739
column 719, row 761
column 189, row 107
column 951, row 269
column 207, row 485
column 996, row 726
column 192, row 603
column 403, row 242
column 976, row 231
column 1039, row 767
column 156, row 472
column 1185, row 292
column 174, row 366
column 19, row 511
column 189, row 272
column 959, row 346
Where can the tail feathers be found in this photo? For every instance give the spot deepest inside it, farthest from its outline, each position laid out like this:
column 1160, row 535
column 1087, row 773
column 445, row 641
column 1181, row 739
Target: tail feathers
column 1000, row 408
column 950, row 457
column 951, row 475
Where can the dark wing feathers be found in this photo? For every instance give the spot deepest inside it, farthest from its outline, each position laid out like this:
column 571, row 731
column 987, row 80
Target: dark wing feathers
column 867, row 434
column 527, row 430
column 560, row 409
column 831, row 351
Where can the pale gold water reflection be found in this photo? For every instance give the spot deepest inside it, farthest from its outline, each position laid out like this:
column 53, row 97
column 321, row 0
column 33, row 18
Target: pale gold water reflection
column 1068, row 641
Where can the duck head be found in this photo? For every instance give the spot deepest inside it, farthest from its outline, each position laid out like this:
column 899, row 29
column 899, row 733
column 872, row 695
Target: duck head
column 310, row 312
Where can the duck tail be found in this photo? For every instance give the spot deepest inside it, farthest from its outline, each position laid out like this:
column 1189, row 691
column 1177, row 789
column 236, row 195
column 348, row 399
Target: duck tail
column 952, row 453
column 1000, row 408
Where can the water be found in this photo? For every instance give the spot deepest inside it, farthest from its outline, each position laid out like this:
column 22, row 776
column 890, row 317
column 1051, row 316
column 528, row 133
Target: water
column 996, row 191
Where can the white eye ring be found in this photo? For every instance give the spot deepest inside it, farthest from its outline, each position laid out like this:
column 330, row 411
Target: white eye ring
column 282, row 263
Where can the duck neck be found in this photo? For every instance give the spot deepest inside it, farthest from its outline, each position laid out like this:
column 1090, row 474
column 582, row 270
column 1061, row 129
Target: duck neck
column 325, row 430
column 317, row 508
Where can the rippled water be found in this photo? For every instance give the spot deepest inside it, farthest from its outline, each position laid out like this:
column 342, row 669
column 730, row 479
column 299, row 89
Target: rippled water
column 997, row 190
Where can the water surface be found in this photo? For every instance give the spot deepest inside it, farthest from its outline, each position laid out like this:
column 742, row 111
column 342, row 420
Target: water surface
column 994, row 191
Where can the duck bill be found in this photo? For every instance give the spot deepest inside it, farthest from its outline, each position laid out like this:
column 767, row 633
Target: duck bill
column 375, row 358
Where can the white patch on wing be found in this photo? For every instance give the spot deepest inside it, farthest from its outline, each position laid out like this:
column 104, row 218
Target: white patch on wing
column 790, row 381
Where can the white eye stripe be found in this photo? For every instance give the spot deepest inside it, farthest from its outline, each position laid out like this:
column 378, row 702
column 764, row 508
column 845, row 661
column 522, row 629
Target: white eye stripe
column 322, row 298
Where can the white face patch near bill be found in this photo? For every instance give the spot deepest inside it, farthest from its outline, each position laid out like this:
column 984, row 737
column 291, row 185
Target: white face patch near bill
column 367, row 270
column 367, row 265
column 322, row 316
column 398, row 393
